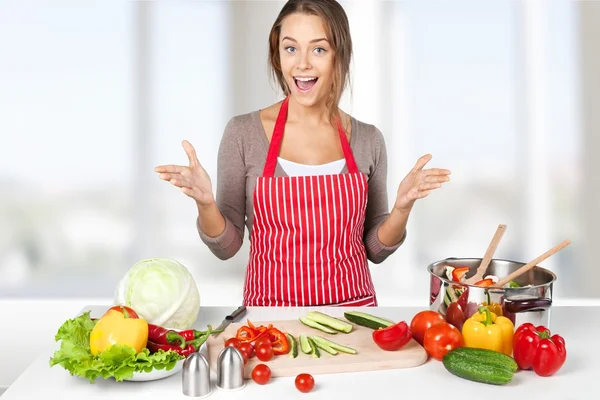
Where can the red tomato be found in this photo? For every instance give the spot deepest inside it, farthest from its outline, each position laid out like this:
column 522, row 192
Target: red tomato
column 262, row 340
column 305, row 383
column 247, row 348
column 455, row 315
column 423, row 321
column 440, row 339
column 261, row 374
column 129, row 310
column 234, row 342
column 264, row 352
column 244, row 356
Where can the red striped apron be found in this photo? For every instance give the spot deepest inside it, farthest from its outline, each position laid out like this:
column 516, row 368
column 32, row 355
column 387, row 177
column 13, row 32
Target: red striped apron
column 306, row 244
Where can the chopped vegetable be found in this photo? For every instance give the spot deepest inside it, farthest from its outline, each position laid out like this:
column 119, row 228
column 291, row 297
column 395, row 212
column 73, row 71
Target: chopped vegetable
column 316, row 325
column 367, row 320
column 459, row 273
column 293, row 345
column 276, row 339
column 486, row 330
column 394, row 337
column 331, row 322
column 535, row 348
column 330, row 346
column 485, row 282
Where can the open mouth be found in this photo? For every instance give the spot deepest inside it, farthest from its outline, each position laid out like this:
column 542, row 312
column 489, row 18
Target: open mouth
column 305, row 83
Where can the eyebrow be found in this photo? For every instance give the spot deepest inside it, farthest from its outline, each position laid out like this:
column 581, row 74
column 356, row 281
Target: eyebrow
column 312, row 41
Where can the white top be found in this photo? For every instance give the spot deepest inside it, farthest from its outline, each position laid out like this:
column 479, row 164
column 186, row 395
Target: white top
column 39, row 381
column 294, row 169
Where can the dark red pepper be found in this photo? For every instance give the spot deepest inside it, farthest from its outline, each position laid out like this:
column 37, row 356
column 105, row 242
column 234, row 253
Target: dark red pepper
column 155, row 347
column 535, row 348
column 393, row 337
column 159, row 335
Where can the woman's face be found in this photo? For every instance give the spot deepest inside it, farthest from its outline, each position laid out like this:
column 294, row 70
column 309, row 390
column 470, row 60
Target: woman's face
column 306, row 58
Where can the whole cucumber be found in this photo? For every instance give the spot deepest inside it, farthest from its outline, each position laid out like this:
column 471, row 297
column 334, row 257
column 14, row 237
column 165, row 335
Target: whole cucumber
column 479, row 366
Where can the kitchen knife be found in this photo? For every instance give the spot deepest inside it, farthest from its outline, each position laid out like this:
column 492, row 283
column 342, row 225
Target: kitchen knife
column 239, row 313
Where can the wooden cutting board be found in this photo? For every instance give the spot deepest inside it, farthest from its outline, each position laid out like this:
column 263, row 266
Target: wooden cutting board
column 369, row 356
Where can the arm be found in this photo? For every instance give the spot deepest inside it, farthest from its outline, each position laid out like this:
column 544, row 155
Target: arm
column 221, row 224
column 384, row 231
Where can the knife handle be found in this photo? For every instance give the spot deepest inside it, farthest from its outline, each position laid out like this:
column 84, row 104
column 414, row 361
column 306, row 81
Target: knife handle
column 237, row 313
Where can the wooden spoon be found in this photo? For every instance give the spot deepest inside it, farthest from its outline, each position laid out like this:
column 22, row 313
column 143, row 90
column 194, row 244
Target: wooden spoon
column 531, row 264
column 487, row 258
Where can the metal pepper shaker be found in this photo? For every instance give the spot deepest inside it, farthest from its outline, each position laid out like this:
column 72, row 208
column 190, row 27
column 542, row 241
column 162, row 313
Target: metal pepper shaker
column 196, row 376
column 230, row 369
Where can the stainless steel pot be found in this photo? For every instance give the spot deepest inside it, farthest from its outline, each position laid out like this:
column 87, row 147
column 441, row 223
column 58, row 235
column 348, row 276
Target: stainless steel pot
column 531, row 302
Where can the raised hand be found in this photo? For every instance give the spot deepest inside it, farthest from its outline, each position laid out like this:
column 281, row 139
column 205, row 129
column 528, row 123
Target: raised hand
column 419, row 183
column 191, row 180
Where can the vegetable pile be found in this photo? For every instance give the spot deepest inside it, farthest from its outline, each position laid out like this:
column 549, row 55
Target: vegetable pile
column 119, row 344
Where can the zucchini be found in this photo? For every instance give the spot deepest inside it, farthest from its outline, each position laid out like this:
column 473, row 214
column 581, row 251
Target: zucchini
column 333, row 345
column 316, row 325
column 331, row 322
column 314, row 349
column 367, row 320
column 322, row 346
column 480, row 365
column 305, row 344
column 293, row 345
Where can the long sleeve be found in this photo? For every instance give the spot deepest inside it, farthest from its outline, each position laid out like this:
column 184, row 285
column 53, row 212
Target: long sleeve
column 230, row 194
column 377, row 204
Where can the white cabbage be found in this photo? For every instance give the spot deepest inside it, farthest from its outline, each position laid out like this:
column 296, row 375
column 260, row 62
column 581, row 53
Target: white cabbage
column 161, row 291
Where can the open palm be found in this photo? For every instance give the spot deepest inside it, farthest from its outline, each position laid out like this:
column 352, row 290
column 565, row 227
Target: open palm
column 191, row 180
column 419, row 183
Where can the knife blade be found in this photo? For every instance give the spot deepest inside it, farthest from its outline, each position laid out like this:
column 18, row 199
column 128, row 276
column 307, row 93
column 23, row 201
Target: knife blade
column 238, row 313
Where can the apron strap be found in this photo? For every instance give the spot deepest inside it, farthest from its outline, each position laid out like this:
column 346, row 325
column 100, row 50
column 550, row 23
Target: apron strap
column 276, row 139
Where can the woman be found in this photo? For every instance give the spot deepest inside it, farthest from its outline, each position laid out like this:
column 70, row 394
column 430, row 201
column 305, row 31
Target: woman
column 306, row 179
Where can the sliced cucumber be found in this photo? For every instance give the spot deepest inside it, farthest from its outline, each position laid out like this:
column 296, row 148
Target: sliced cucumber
column 323, row 346
column 331, row 322
column 316, row 325
column 293, row 345
column 368, row 320
column 305, row 344
column 321, row 341
column 315, row 350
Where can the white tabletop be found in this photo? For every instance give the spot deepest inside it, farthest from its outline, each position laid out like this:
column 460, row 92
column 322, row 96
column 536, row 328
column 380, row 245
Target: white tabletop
column 579, row 326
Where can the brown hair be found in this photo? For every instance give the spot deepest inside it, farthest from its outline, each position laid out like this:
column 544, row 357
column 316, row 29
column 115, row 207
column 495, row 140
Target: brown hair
column 337, row 29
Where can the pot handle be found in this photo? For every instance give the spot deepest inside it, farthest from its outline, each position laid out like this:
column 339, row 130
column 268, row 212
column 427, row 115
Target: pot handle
column 516, row 306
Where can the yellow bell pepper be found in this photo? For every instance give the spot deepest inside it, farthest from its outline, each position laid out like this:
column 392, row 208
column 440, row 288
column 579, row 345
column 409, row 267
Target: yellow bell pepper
column 116, row 328
column 486, row 330
column 494, row 307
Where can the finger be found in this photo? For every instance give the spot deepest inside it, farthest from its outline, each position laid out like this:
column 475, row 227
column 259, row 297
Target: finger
column 437, row 171
column 191, row 153
column 167, row 177
column 429, row 186
column 422, row 194
column 170, row 169
column 421, row 162
column 436, row 178
column 181, row 183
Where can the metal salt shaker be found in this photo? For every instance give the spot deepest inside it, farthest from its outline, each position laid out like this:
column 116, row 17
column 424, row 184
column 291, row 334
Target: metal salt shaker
column 196, row 376
column 230, row 369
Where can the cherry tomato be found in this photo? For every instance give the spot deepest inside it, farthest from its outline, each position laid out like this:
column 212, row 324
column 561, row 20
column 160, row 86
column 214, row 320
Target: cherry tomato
column 264, row 352
column 305, row 383
column 261, row 374
column 247, row 348
column 244, row 356
column 440, row 339
column 132, row 313
column 262, row 340
column 423, row 321
column 234, row 342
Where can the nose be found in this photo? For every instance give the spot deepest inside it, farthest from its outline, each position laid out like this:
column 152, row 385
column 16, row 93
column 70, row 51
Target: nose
column 303, row 61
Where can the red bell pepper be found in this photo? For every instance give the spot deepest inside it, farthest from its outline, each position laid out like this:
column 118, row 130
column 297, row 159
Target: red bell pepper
column 458, row 273
column 535, row 348
column 393, row 337
column 485, row 282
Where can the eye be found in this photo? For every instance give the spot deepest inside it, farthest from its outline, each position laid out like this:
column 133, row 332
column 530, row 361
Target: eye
column 290, row 49
column 320, row 50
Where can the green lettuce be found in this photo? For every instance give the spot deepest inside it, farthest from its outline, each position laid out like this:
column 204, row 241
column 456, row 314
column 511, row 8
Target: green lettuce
column 118, row 362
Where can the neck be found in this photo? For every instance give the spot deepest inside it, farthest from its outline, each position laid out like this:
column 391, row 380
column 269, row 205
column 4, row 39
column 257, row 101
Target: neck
column 314, row 115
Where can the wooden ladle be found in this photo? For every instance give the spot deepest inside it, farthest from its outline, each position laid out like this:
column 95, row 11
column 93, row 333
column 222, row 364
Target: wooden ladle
column 487, row 258
column 531, row 264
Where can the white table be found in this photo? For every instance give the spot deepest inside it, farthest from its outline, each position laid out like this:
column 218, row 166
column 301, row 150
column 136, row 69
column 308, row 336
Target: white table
column 579, row 326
